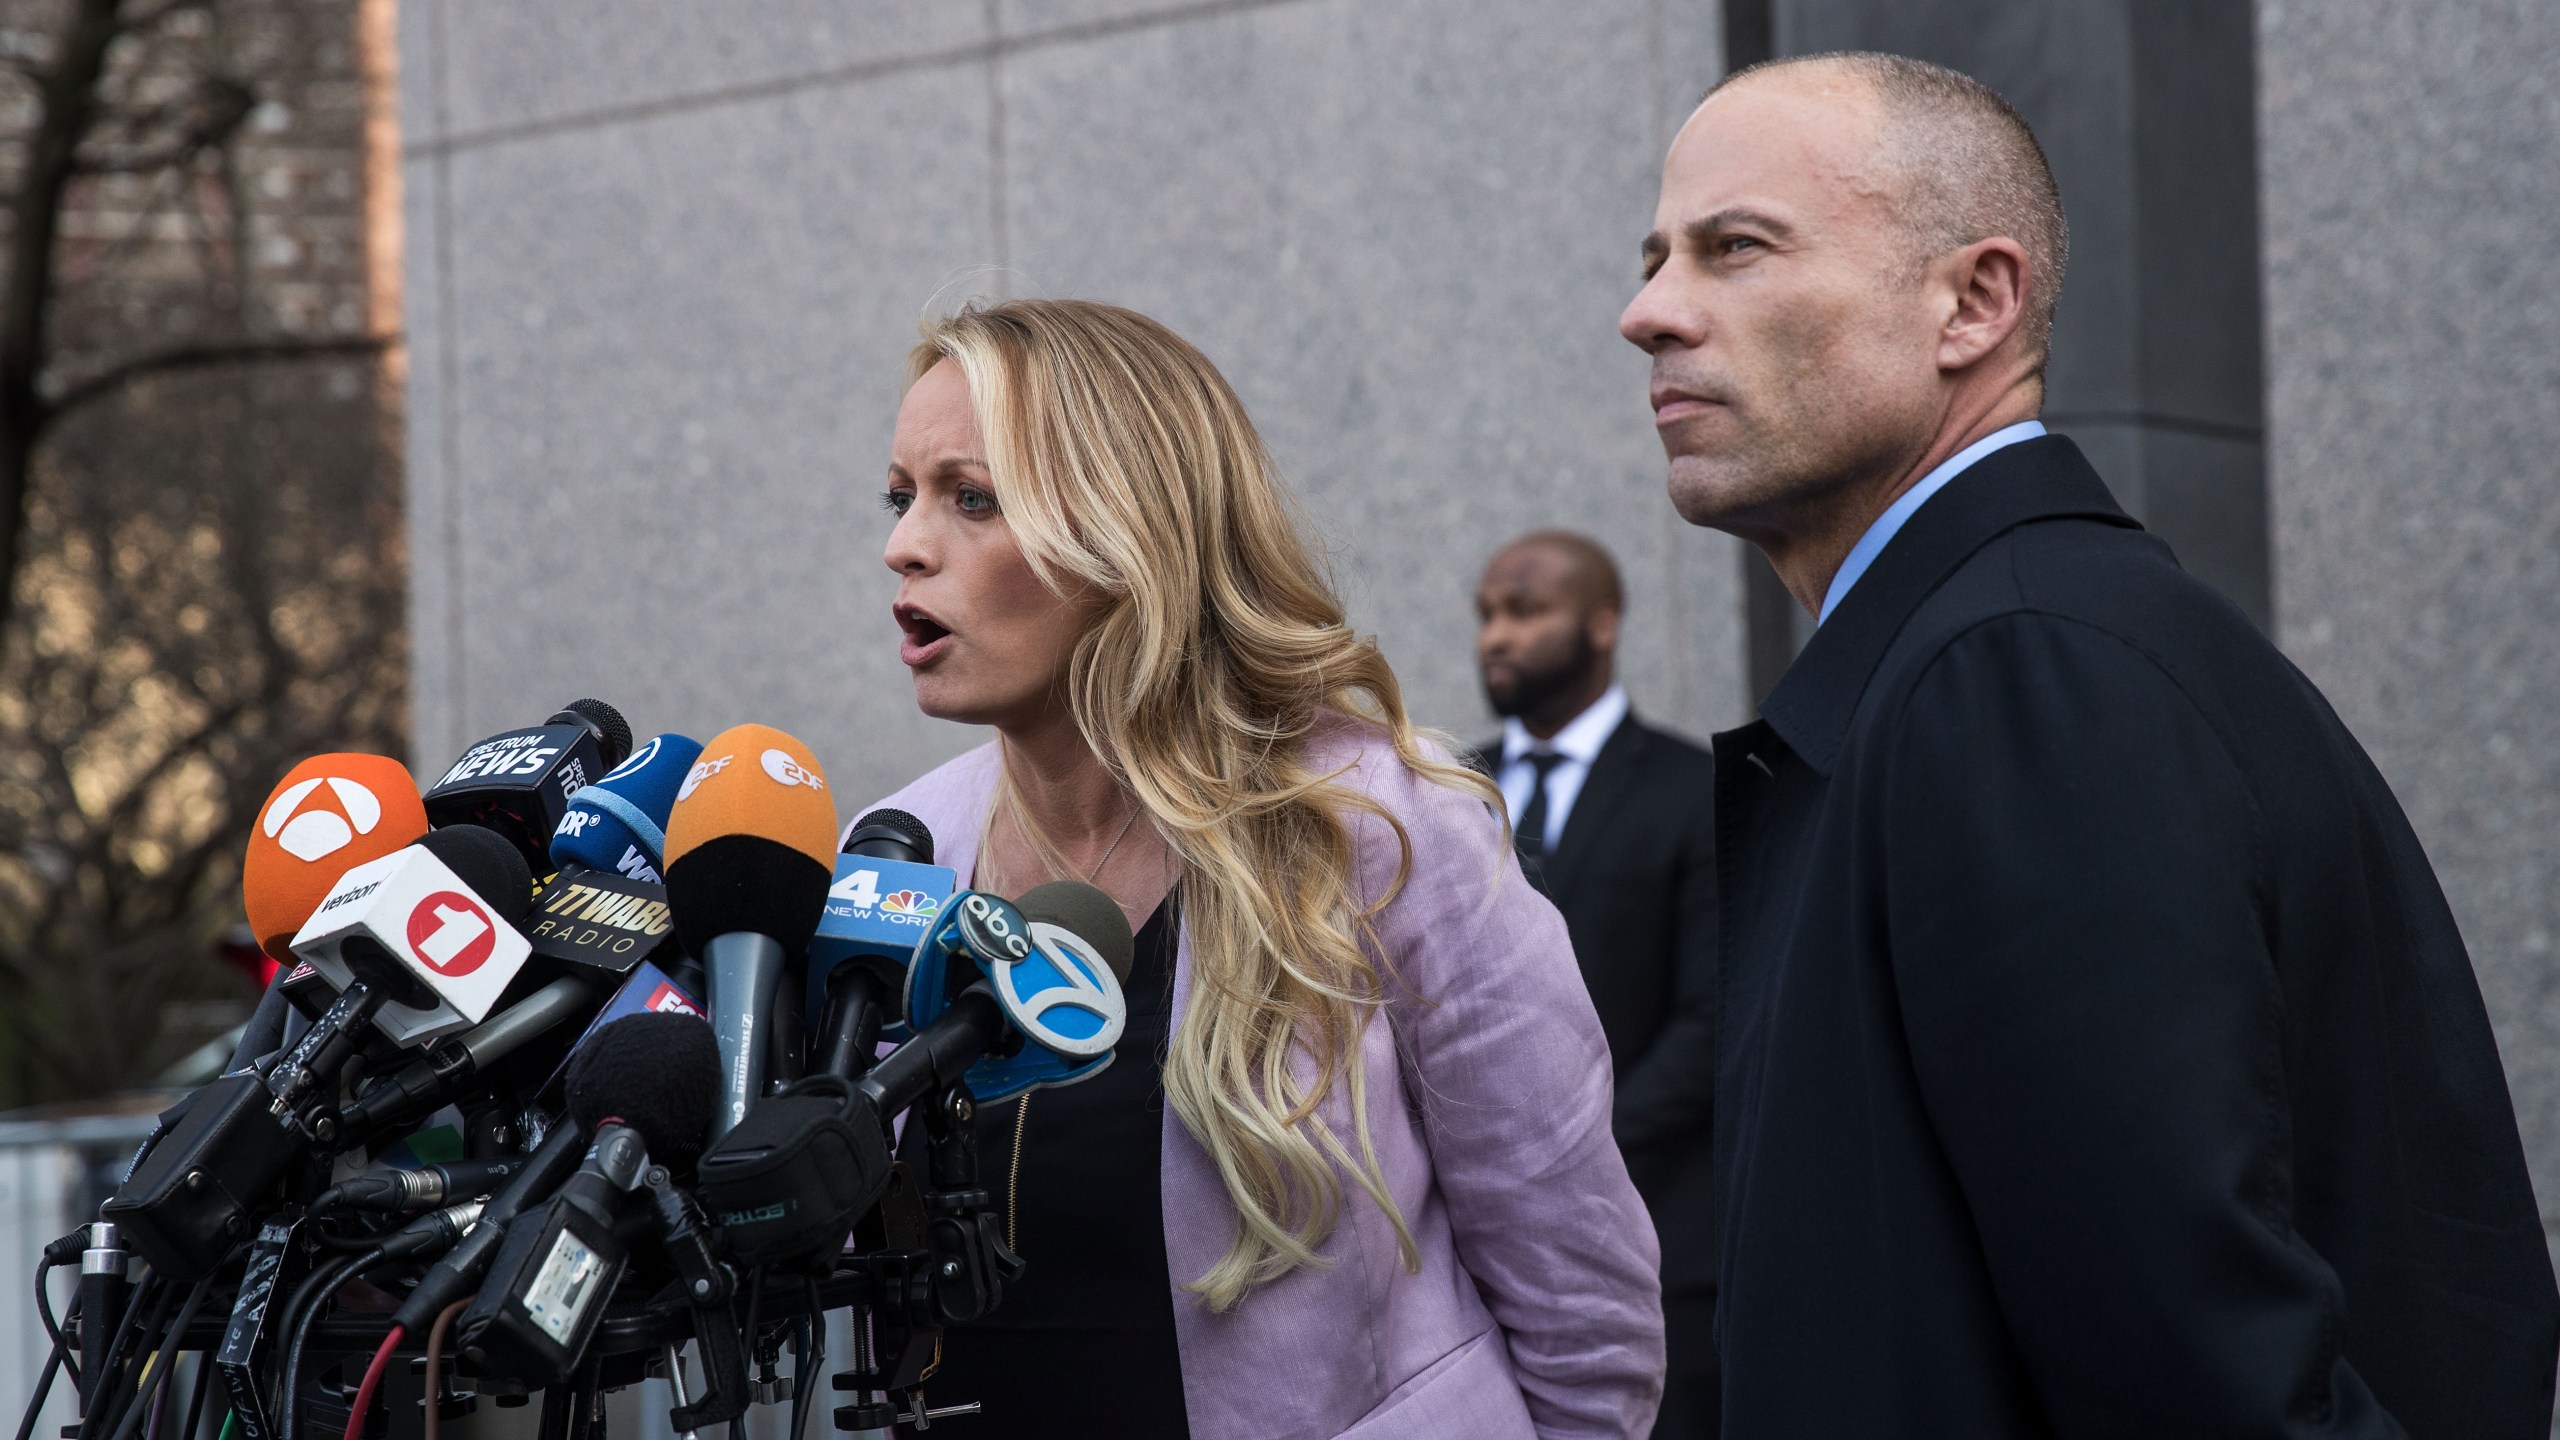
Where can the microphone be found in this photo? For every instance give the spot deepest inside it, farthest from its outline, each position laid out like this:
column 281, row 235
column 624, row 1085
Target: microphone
column 519, row 782
column 451, row 1063
column 190, row 1197
column 459, row 1272
column 789, row 1183
column 327, row 815
column 750, row 846
column 886, row 894
column 619, row 823
column 646, row 1087
column 429, row 932
column 1047, row 971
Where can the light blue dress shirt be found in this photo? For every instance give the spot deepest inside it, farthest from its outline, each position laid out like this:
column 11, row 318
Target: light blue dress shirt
column 1889, row 524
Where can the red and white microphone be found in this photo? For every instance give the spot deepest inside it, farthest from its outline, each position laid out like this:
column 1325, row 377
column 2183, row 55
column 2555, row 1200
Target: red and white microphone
column 431, row 930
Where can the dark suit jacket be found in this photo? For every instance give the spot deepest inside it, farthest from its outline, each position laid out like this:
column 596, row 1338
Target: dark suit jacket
column 2099, row 1057
column 1634, row 874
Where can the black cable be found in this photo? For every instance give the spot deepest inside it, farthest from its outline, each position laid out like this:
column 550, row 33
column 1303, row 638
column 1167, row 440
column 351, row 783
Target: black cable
column 111, row 1367
column 813, row 1349
column 314, row 1299
column 44, row 1312
column 160, row 1368
column 44, row 1387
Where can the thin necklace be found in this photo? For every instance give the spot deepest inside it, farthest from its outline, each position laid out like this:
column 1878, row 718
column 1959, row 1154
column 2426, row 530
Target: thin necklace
column 1125, row 827
column 1022, row 1103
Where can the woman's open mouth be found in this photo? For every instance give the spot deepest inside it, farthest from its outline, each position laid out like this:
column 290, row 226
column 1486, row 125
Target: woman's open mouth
column 926, row 637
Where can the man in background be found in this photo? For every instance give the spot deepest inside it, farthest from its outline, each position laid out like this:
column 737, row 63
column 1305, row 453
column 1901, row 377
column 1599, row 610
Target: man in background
column 2102, row 1058
column 1614, row 820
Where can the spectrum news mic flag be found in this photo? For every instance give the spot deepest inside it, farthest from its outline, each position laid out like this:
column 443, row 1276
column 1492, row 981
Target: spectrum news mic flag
column 327, row 815
column 618, row 824
column 750, row 854
column 518, row 782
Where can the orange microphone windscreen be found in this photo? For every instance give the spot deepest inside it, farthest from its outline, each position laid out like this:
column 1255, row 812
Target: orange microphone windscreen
column 755, row 780
column 751, row 842
column 328, row 815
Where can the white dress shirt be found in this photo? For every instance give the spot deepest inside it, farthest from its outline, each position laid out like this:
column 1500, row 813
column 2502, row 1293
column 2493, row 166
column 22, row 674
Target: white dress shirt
column 1578, row 742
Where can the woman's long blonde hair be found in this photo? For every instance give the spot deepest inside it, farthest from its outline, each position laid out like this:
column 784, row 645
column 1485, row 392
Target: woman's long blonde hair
column 1123, row 463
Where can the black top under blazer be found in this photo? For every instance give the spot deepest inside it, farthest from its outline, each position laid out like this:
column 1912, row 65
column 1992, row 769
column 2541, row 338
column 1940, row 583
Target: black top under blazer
column 1634, row 875
column 2098, row 1053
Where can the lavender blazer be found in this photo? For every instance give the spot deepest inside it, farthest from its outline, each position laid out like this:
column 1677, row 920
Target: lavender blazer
column 1538, row 1310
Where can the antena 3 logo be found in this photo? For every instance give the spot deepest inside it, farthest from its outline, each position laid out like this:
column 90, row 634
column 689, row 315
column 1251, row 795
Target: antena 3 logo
column 312, row 833
column 787, row 771
column 702, row 770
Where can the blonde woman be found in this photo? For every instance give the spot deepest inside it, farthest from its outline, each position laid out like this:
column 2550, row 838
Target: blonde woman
column 1351, row 1173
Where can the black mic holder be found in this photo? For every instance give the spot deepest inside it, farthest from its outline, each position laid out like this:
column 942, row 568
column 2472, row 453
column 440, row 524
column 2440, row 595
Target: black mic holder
column 923, row 1257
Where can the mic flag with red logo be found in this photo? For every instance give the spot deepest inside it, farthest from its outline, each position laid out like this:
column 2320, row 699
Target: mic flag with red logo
column 454, row 951
column 329, row 814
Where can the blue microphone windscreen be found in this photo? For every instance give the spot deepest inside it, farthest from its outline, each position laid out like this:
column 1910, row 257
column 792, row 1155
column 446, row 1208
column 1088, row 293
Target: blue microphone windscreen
column 619, row 823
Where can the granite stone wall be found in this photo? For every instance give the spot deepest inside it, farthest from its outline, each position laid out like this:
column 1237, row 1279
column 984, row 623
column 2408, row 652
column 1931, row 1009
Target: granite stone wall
column 662, row 268
column 2411, row 174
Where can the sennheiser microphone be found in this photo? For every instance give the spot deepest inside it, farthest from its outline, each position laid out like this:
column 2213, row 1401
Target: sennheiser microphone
column 886, row 895
column 519, row 783
column 619, row 823
column 645, row 1087
column 750, row 846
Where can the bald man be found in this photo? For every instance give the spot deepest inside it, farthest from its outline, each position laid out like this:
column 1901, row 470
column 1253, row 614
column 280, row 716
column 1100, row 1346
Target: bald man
column 2098, row 1055
column 1615, row 820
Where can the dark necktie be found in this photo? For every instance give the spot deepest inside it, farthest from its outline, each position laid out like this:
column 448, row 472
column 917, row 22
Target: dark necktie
column 1529, row 837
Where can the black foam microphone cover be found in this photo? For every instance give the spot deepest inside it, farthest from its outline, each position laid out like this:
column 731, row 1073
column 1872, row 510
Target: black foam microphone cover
column 657, row 1073
column 1082, row 910
column 613, row 733
column 746, row 882
column 891, row 835
column 489, row 863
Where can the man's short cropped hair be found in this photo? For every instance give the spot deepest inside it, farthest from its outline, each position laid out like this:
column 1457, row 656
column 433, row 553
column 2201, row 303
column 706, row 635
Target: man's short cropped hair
column 1971, row 169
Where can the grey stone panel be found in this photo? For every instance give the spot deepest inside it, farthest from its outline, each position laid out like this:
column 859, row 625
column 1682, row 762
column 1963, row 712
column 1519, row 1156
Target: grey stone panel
column 434, row 607
column 419, row 41
column 2413, row 336
column 512, row 64
column 2200, row 493
column 1405, row 230
column 679, row 342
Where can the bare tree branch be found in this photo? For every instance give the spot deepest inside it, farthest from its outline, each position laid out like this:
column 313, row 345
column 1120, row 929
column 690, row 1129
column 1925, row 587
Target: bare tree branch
column 209, row 357
column 68, row 100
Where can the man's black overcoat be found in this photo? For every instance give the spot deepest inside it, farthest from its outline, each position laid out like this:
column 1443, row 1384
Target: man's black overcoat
column 2098, row 1056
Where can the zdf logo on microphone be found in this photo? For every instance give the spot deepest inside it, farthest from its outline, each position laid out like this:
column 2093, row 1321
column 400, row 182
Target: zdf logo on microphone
column 787, row 771
column 313, row 833
column 450, row 934
column 702, row 770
